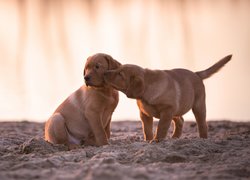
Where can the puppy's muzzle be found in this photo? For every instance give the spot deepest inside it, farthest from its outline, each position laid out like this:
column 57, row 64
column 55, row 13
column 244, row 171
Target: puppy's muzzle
column 87, row 79
column 108, row 76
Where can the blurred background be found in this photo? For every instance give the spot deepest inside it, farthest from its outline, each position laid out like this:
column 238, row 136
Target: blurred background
column 44, row 45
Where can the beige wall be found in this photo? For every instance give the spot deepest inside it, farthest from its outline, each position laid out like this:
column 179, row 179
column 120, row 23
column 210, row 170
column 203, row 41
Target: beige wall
column 44, row 44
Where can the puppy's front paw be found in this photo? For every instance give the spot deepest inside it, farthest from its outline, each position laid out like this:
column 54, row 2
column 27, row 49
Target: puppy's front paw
column 103, row 143
column 73, row 146
column 154, row 141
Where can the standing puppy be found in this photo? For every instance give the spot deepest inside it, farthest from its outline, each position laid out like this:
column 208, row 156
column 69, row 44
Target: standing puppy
column 84, row 117
column 165, row 94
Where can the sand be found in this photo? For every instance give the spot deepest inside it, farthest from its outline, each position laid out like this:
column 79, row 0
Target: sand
column 224, row 155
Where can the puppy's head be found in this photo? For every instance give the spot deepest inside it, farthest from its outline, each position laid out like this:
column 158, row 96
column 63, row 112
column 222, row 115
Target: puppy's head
column 128, row 79
column 95, row 67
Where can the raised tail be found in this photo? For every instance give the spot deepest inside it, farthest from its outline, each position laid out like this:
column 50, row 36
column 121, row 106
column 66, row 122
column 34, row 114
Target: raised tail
column 214, row 68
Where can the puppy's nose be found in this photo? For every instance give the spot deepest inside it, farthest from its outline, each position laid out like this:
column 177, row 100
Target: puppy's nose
column 86, row 78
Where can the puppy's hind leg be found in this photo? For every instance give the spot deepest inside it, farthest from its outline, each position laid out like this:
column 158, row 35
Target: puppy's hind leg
column 55, row 130
column 178, row 125
column 199, row 110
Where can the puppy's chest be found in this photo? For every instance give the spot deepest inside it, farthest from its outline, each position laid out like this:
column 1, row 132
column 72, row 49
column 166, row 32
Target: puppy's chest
column 109, row 107
column 148, row 109
column 110, row 102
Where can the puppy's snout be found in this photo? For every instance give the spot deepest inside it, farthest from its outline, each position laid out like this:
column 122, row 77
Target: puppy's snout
column 105, row 73
column 108, row 73
column 87, row 78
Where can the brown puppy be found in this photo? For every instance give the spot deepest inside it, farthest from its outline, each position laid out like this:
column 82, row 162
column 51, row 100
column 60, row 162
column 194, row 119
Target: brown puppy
column 165, row 94
column 84, row 117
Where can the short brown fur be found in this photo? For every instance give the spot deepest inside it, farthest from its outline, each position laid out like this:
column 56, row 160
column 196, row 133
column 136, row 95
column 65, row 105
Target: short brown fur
column 84, row 117
column 165, row 94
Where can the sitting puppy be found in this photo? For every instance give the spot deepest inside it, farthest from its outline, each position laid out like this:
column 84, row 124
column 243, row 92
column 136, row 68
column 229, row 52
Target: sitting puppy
column 164, row 94
column 84, row 117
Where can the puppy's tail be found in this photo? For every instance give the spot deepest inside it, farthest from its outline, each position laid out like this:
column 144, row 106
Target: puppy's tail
column 215, row 68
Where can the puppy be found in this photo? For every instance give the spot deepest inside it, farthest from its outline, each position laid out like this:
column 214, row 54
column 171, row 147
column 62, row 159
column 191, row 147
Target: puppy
column 165, row 94
column 84, row 117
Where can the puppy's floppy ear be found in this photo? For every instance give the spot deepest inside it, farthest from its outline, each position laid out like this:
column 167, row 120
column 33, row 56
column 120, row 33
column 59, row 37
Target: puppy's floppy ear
column 136, row 87
column 112, row 63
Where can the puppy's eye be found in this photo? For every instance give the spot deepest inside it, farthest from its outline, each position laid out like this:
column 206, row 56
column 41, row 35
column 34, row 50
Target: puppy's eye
column 97, row 66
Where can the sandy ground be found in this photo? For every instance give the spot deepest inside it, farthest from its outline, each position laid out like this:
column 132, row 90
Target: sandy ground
column 225, row 155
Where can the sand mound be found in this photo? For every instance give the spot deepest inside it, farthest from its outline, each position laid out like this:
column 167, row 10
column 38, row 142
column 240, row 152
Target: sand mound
column 38, row 145
column 224, row 155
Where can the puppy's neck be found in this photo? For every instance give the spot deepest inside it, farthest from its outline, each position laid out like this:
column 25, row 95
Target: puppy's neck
column 104, row 89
